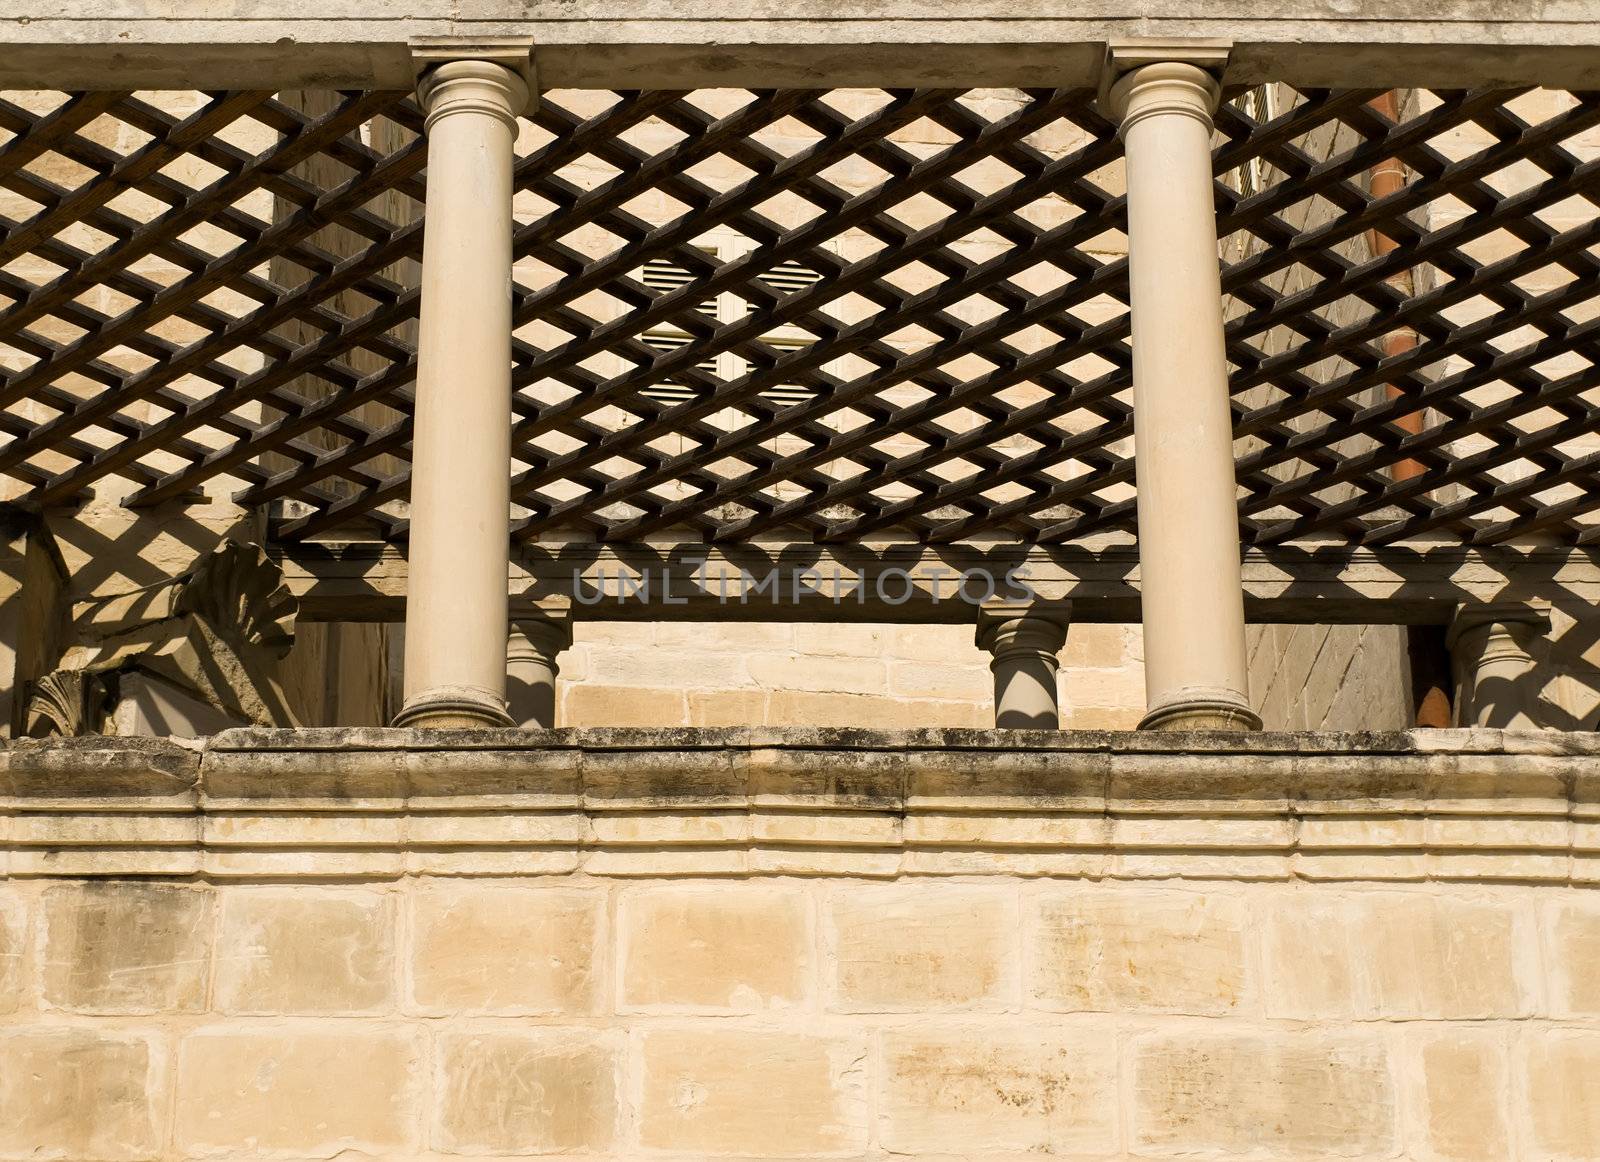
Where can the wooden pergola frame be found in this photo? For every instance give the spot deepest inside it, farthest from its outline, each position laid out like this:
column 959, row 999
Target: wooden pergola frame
column 327, row 454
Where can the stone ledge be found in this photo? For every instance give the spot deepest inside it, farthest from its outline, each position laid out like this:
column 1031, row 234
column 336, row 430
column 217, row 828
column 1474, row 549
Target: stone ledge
column 1459, row 805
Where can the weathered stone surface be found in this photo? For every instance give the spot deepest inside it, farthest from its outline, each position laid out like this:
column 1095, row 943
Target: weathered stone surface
column 301, row 1091
column 119, row 946
column 13, row 947
column 1574, row 959
column 527, row 1092
column 305, row 949
column 1288, row 1095
column 1114, row 951
column 1397, row 954
column 982, row 1088
column 731, row 947
column 922, row 947
column 505, row 949
column 1464, row 1084
column 1443, row 958
column 77, row 1093
column 1562, row 1086
column 738, row 1091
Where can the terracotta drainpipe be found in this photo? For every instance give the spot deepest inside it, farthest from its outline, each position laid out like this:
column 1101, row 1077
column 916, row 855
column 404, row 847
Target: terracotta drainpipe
column 1430, row 661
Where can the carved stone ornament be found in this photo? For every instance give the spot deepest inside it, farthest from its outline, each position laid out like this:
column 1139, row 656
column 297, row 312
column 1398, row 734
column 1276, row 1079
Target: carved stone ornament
column 215, row 633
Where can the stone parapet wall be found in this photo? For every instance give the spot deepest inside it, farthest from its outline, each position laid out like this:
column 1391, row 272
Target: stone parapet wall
column 383, row 803
column 779, row 944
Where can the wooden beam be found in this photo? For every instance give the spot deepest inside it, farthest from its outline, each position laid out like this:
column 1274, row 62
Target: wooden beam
column 1401, row 585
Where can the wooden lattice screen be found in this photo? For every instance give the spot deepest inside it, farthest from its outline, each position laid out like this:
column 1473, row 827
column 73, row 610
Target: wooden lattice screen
column 806, row 315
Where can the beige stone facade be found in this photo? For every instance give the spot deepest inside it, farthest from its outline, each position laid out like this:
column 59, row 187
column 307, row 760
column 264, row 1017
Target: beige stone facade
column 799, row 289
column 800, row 944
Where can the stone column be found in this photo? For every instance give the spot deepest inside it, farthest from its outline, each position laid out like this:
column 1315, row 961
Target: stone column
column 1498, row 678
column 1024, row 639
column 1192, row 595
column 531, row 670
column 457, row 599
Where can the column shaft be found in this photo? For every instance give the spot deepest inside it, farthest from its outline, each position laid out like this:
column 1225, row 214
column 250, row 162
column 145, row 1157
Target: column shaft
column 531, row 671
column 1190, row 584
column 1499, row 682
column 1025, row 643
column 456, row 603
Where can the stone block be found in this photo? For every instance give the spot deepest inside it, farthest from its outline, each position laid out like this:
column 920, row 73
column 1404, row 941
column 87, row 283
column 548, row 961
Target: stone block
column 305, row 949
column 1464, row 1083
column 13, row 947
column 1562, row 1087
column 727, row 708
column 829, row 675
column 1309, row 965
column 719, row 947
column 1573, row 951
column 505, row 949
column 77, row 1093
column 952, row 683
column 586, row 705
column 1443, row 958
column 751, row 1092
column 842, row 639
column 1398, row 955
column 1116, row 951
column 872, row 711
column 527, row 1092
column 673, row 669
column 935, row 643
column 1278, row 1095
column 122, row 946
column 987, row 1088
column 300, row 1090
column 1116, row 689
column 928, row 946
column 1093, row 645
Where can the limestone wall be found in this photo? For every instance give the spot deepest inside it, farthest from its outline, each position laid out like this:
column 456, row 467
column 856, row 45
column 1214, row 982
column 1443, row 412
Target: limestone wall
column 1330, row 677
column 781, row 673
column 763, row 944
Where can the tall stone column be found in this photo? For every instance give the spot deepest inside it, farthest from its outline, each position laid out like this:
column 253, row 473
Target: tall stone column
column 457, row 599
column 531, row 669
column 1025, row 640
column 1498, row 678
column 1196, row 675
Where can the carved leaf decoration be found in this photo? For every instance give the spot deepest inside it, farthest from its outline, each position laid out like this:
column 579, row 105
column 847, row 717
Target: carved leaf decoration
column 239, row 590
column 58, row 704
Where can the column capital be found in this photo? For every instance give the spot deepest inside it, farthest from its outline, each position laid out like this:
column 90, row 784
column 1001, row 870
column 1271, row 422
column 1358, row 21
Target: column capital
column 545, row 635
column 1171, row 87
column 1488, row 614
column 1035, row 627
column 492, row 75
column 1499, row 680
column 1024, row 638
column 1142, row 77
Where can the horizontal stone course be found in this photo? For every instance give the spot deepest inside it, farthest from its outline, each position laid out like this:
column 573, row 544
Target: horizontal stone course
column 1441, row 805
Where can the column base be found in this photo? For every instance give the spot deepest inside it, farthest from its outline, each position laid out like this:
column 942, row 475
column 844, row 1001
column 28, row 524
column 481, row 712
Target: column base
column 454, row 708
column 1202, row 710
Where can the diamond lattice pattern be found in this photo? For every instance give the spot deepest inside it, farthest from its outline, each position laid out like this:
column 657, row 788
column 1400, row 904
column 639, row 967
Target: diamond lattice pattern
column 807, row 316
